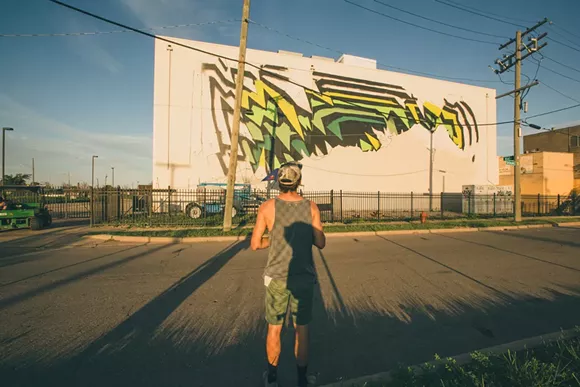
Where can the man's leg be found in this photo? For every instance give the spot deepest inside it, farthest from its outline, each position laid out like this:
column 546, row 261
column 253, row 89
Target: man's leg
column 301, row 352
column 301, row 303
column 277, row 298
column 273, row 349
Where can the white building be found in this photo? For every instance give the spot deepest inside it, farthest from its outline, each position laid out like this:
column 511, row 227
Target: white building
column 353, row 127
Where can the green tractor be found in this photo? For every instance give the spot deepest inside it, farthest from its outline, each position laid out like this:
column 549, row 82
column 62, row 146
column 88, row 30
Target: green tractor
column 23, row 207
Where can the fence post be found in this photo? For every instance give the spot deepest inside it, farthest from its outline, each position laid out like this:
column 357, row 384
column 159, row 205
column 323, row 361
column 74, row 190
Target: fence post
column 169, row 200
column 469, row 204
column 412, row 205
column 341, row 218
column 150, row 206
column 118, row 203
column 332, row 205
column 539, row 205
column 66, row 204
column 91, row 208
column 494, row 205
column 379, row 206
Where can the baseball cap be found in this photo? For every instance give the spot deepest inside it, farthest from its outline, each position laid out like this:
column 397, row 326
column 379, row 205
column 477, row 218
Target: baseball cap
column 289, row 174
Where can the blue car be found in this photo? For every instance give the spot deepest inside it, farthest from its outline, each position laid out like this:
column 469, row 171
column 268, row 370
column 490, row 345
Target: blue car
column 212, row 201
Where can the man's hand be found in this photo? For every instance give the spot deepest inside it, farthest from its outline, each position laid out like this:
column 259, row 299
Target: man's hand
column 258, row 241
column 319, row 237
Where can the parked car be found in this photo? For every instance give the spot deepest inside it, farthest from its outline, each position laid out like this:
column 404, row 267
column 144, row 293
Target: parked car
column 24, row 207
column 211, row 200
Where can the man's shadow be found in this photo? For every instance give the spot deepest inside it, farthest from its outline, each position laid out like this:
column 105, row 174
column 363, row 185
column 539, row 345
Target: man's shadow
column 131, row 337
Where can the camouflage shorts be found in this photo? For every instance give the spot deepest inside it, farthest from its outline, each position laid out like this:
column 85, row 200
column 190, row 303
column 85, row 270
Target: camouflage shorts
column 279, row 297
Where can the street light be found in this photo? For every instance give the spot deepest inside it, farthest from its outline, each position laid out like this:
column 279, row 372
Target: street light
column 93, row 189
column 4, row 130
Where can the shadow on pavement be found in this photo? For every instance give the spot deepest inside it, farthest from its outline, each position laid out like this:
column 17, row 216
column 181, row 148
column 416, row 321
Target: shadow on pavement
column 60, row 234
column 510, row 252
column 498, row 293
column 7, row 302
column 62, row 267
column 350, row 336
column 536, row 238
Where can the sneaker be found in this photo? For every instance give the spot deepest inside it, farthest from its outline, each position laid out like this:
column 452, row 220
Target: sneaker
column 266, row 384
column 311, row 379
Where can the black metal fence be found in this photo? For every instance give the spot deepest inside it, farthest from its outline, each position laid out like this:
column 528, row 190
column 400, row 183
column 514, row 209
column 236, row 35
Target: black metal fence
column 204, row 207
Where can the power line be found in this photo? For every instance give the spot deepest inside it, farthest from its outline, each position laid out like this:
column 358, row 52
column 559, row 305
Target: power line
column 478, row 13
column 294, row 37
column 359, row 174
column 546, row 129
column 553, row 111
column 247, row 63
column 490, row 13
column 565, row 30
column 560, row 74
column 564, row 44
column 378, row 63
column 504, row 82
column 419, row 26
column 562, row 64
column 559, row 92
column 525, row 94
column 116, row 31
column 564, row 37
column 465, row 9
column 439, row 22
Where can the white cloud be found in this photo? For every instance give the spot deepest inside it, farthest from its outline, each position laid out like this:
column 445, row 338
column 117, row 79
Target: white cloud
column 57, row 145
column 94, row 54
column 154, row 13
column 91, row 51
column 158, row 13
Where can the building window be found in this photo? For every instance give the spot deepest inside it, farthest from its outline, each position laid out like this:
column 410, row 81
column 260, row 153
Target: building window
column 575, row 141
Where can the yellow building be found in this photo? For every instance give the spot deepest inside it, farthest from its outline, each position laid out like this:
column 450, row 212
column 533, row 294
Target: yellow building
column 565, row 139
column 544, row 173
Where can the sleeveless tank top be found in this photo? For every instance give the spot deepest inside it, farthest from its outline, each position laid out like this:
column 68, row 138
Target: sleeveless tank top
column 291, row 238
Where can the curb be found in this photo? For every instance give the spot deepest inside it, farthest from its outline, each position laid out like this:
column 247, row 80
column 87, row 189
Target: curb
column 167, row 240
column 573, row 224
column 529, row 343
column 161, row 240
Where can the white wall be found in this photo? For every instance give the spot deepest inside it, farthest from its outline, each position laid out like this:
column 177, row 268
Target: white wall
column 189, row 152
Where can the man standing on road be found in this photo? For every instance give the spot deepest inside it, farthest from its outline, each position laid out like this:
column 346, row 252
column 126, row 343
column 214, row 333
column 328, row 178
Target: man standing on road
column 294, row 226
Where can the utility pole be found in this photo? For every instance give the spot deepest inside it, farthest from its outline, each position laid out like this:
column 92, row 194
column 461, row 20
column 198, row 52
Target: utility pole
column 517, row 130
column 170, row 50
column 4, row 130
column 505, row 64
column 33, row 179
column 113, row 176
column 431, row 170
column 236, row 120
column 93, row 190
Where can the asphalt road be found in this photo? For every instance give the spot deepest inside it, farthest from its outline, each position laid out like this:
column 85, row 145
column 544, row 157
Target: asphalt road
column 78, row 313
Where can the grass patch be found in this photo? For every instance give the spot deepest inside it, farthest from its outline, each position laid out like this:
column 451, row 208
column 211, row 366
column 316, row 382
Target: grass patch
column 553, row 364
column 333, row 228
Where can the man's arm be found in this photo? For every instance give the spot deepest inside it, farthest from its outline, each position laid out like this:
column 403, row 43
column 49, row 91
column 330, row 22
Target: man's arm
column 258, row 241
column 319, row 237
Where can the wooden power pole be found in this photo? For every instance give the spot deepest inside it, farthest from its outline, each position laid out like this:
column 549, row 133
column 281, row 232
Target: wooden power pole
column 505, row 64
column 237, row 115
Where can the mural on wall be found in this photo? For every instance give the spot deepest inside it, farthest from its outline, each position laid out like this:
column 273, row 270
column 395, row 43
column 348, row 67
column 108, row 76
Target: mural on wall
column 287, row 123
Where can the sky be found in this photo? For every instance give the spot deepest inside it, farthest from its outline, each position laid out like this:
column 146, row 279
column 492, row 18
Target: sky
column 71, row 97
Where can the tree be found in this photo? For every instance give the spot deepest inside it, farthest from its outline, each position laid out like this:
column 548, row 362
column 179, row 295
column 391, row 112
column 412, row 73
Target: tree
column 17, row 179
